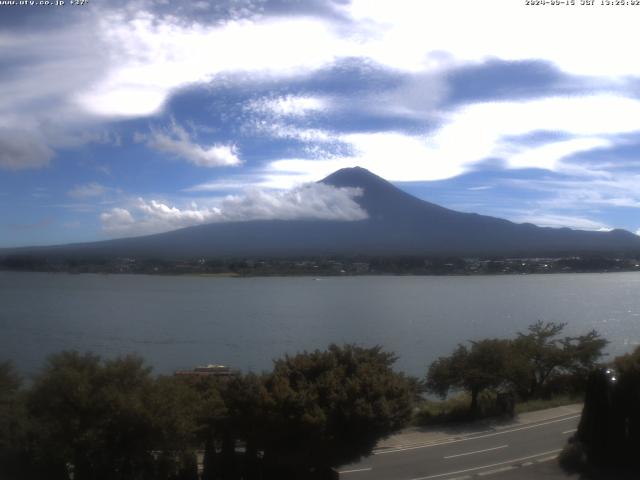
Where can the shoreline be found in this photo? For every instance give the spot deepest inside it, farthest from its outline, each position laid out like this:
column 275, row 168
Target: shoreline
column 315, row 276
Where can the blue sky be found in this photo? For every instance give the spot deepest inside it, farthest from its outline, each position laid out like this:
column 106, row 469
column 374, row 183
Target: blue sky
column 127, row 118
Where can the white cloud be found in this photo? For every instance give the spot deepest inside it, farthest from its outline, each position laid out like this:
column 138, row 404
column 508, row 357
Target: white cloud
column 310, row 201
column 548, row 156
column 130, row 62
column 283, row 130
column 41, row 72
column 159, row 55
column 416, row 97
column 104, row 64
column 176, row 141
column 483, row 130
column 288, row 105
column 545, row 219
column 417, row 35
column 219, row 185
column 620, row 189
column 152, row 56
column 117, row 220
column 475, row 133
column 88, row 190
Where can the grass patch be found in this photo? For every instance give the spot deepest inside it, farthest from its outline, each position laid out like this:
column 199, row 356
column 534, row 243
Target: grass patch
column 543, row 404
column 455, row 409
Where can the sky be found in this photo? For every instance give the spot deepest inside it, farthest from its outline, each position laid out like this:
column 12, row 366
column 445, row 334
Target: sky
column 125, row 118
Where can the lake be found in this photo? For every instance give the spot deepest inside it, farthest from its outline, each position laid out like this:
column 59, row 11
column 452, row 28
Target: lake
column 179, row 322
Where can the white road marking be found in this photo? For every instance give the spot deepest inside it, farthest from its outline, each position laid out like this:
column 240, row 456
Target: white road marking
column 466, row 439
column 368, row 469
column 546, row 459
column 496, row 470
column 570, row 431
column 477, row 451
column 486, row 466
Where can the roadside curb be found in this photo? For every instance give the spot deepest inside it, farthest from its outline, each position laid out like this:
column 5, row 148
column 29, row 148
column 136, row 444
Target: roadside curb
column 507, row 468
column 530, row 418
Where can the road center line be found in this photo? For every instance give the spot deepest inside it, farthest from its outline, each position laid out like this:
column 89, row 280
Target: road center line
column 486, row 466
column 368, row 469
column 466, row 439
column 477, row 451
column 570, row 431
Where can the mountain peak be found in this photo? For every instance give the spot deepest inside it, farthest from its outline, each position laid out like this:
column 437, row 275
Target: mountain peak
column 354, row 177
column 380, row 198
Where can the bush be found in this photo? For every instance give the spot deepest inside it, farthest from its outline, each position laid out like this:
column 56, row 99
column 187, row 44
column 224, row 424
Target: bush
column 455, row 409
column 542, row 404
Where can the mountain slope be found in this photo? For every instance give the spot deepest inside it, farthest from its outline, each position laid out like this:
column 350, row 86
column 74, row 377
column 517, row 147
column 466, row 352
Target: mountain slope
column 423, row 226
column 397, row 224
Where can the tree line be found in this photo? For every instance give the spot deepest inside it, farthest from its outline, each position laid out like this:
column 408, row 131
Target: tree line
column 84, row 417
column 89, row 418
column 538, row 363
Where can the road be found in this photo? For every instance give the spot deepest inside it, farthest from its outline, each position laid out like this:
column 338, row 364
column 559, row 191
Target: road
column 477, row 454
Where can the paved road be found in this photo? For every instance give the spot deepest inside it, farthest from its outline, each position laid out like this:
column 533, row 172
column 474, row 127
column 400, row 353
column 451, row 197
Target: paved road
column 473, row 455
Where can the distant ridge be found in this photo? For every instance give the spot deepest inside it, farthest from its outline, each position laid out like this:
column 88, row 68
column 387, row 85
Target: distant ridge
column 397, row 224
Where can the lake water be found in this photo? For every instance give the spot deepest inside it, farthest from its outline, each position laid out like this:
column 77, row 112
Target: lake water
column 181, row 322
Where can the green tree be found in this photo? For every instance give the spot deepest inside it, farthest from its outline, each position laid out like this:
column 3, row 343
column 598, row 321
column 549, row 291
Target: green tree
column 584, row 352
column 175, row 410
column 212, row 420
column 247, row 400
column 92, row 416
column 474, row 369
column 327, row 408
column 540, row 355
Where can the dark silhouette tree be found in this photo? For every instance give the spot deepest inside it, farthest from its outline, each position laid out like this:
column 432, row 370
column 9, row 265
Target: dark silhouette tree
column 247, row 401
column 609, row 430
column 13, row 426
column 627, row 406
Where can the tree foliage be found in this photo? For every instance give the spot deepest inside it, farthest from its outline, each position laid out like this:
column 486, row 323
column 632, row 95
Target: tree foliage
column 531, row 364
column 111, row 419
column 92, row 416
column 472, row 369
column 12, row 421
column 540, row 355
column 331, row 407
